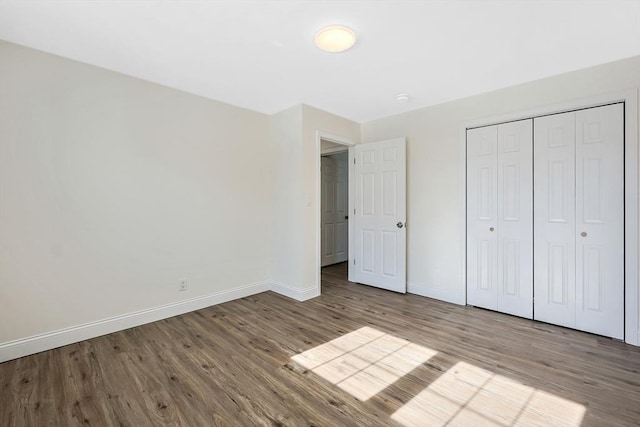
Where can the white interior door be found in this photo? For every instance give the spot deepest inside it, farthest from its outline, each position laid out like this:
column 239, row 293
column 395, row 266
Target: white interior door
column 554, row 216
column 515, row 218
column 328, row 210
column 579, row 231
column 600, row 220
column 379, row 214
column 482, row 240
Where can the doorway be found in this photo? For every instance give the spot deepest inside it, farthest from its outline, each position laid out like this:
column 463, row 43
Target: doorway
column 376, row 212
column 334, row 207
column 334, row 201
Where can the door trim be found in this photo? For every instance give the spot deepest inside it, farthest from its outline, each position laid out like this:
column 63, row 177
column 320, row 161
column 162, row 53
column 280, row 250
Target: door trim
column 631, row 190
column 320, row 135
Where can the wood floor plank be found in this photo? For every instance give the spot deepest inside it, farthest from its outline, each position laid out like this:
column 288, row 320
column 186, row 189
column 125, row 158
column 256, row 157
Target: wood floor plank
column 231, row 365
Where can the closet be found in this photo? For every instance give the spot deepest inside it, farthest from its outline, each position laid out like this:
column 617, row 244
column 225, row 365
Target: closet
column 579, row 220
column 545, row 219
column 499, row 218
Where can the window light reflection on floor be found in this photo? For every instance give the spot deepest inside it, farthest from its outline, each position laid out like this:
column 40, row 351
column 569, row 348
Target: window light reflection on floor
column 466, row 395
column 364, row 362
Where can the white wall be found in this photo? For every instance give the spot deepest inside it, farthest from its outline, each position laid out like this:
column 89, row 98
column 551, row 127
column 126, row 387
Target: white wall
column 113, row 188
column 436, row 165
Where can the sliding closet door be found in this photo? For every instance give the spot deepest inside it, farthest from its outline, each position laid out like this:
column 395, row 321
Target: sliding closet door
column 482, row 242
column 554, row 217
column 515, row 218
column 600, row 221
column 579, row 220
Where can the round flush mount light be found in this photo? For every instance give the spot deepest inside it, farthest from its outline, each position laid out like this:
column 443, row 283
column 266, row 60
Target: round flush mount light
column 335, row 38
column 402, row 98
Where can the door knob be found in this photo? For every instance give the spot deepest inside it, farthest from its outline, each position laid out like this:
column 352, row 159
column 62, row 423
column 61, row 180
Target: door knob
column 491, row 229
column 399, row 225
column 583, row 234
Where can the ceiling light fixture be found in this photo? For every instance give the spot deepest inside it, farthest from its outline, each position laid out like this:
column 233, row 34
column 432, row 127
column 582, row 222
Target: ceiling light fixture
column 335, row 38
column 402, row 98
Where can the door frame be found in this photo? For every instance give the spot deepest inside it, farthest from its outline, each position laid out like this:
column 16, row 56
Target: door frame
column 320, row 135
column 631, row 190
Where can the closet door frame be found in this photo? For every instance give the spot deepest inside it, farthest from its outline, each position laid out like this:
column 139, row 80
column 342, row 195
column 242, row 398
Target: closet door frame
column 631, row 190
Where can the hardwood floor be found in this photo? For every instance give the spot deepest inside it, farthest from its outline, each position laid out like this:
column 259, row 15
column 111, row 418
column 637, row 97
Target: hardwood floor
column 231, row 364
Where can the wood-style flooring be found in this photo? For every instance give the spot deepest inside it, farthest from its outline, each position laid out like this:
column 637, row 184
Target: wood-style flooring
column 231, row 364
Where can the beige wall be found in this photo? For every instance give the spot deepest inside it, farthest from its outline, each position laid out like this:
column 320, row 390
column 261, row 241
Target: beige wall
column 435, row 153
column 113, row 188
column 287, row 239
column 314, row 121
column 293, row 136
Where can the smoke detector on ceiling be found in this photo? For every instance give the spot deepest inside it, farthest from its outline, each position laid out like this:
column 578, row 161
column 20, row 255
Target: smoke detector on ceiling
column 402, row 98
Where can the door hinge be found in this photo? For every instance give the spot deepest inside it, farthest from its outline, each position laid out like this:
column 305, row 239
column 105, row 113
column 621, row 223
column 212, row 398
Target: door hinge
column 354, row 211
column 354, row 160
column 354, row 261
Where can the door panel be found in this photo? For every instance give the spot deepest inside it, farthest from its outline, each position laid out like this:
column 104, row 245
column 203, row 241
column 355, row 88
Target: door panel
column 482, row 242
column 380, row 204
column 368, row 251
column 389, row 250
column 558, row 284
column 329, row 243
column 515, row 218
column 486, row 271
column 600, row 221
column 554, row 218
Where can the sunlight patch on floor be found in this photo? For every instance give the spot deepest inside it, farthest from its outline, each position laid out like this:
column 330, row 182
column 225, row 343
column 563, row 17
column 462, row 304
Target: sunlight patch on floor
column 466, row 395
column 364, row 362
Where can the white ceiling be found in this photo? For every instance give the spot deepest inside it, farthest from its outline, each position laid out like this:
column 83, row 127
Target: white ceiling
column 260, row 54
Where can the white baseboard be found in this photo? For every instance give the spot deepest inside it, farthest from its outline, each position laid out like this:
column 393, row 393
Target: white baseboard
column 293, row 292
column 37, row 343
column 442, row 294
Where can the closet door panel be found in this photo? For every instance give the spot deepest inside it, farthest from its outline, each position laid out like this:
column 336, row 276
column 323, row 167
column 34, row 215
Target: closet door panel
column 554, row 219
column 482, row 261
column 600, row 221
column 515, row 218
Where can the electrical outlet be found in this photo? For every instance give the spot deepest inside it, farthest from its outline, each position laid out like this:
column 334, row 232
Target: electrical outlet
column 182, row 285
